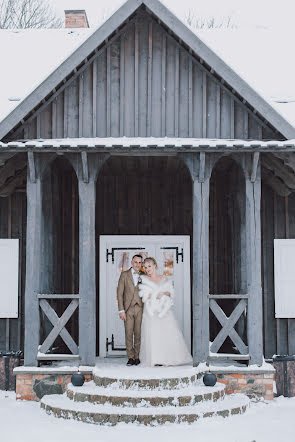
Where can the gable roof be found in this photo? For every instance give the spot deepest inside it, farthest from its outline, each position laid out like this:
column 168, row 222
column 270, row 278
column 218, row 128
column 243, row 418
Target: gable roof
column 179, row 29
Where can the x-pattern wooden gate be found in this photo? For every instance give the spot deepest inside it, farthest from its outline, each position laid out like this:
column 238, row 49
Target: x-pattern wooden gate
column 59, row 324
column 228, row 323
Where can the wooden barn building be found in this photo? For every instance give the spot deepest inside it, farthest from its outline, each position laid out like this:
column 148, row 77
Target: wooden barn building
column 142, row 139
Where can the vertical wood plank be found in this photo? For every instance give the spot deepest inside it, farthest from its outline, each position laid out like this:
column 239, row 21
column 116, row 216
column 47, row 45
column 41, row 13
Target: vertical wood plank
column 54, row 116
column 65, row 129
column 246, row 123
column 149, row 82
column 279, row 225
column 136, row 79
column 190, row 98
column 290, row 231
column 38, row 126
column 217, row 127
column 9, row 226
column 176, row 97
column 232, row 118
column 269, row 322
column 163, row 101
column 108, row 91
column 94, row 97
column 122, row 85
column 81, row 85
column 204, row 113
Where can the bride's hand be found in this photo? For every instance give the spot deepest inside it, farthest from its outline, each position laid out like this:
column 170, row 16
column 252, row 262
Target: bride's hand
column 161, row 294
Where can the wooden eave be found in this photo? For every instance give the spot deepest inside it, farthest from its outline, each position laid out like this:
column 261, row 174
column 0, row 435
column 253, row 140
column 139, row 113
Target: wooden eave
column 151, row 146
column 88, row 50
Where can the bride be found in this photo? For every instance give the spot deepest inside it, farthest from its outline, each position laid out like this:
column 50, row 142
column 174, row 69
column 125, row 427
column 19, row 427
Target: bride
column 162, row 342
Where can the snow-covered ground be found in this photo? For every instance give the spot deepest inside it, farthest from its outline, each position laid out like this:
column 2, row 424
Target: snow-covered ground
column 264, row 421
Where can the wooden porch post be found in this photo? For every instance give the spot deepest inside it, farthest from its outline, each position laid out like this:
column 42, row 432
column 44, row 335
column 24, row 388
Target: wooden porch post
column 253, row 256
column 87, row 171
column 200, row 168
column 36, row 264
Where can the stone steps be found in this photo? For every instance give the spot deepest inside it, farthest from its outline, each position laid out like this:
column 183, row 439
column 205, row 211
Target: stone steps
column 119, row 397
column 147, row 379
column 62, row 406
column 143, row 395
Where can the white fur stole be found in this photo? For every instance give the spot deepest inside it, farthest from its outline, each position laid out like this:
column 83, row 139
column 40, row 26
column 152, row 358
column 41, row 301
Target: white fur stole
column 149, row 290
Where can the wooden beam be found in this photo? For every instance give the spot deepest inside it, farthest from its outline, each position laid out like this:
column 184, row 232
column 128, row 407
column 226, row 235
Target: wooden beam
column 255, row 161
column 85, row 170
column 59, row 326
column 202, row 167
column 252, row 225
column 32, row 167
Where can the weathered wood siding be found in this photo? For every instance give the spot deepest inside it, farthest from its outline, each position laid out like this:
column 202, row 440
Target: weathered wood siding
column 13, row 225
column 278, row 221
column 144, row 83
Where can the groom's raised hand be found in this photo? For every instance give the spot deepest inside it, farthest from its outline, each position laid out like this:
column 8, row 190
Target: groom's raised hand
column 122, row 316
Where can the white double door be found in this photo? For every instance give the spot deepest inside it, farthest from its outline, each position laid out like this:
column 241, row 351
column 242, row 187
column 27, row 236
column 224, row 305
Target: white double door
column 173, row 257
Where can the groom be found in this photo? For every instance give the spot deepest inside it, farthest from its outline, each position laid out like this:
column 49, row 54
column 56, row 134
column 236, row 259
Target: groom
column 130, row 309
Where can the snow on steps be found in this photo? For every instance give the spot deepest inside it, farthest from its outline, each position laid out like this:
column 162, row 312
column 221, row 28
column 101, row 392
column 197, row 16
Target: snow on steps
column 145, row 377
column 119, row 397
column 62, row 406
column 143, row 395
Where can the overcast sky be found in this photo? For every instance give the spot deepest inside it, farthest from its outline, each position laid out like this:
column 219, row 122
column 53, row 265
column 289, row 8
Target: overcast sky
column 262, row 13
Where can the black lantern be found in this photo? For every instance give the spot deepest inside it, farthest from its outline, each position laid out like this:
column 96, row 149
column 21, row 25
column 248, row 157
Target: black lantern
column 209, row 379
column 78, row 379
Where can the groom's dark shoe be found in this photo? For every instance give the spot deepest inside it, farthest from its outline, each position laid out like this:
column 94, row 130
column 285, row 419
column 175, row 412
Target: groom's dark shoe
column 130, row 362
column 136, row 362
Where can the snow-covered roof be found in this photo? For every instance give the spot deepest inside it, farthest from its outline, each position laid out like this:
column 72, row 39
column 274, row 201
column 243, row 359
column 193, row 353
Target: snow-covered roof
column 28, row 56
column 262, row 57
column 33, row 59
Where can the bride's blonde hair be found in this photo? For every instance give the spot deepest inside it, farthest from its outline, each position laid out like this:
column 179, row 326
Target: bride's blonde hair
column 151, row 259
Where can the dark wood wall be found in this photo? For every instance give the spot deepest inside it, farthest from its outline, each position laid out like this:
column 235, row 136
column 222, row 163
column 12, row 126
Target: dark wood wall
column 13, row 225
column 278, row 221
column 143, row 82
column 144, row 196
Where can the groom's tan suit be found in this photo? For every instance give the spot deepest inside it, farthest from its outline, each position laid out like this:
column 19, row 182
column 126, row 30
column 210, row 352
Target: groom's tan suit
column 131, row 303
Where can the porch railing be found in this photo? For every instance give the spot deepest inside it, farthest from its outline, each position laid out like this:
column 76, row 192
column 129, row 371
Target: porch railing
column 59, row 326
column 228, row 327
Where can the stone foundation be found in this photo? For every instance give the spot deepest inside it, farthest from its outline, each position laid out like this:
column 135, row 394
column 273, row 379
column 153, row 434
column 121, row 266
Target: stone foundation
column 33, row 385
column 255, row 385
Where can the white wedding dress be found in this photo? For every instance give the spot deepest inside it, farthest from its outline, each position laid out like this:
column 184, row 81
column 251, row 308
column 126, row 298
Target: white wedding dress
column 162, row 342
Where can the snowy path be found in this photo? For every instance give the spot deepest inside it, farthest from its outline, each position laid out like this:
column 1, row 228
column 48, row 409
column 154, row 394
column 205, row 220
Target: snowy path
column 262, row 423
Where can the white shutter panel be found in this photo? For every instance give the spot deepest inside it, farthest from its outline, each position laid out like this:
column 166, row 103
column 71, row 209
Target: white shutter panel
column 8, row 278
column 284, row 273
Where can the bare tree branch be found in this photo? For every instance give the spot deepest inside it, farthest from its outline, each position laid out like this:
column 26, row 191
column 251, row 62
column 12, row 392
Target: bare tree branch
column 28, row 14
column 198, row 22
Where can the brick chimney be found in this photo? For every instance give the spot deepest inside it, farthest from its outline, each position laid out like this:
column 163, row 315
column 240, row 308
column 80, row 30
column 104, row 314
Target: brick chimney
column 76, row 19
